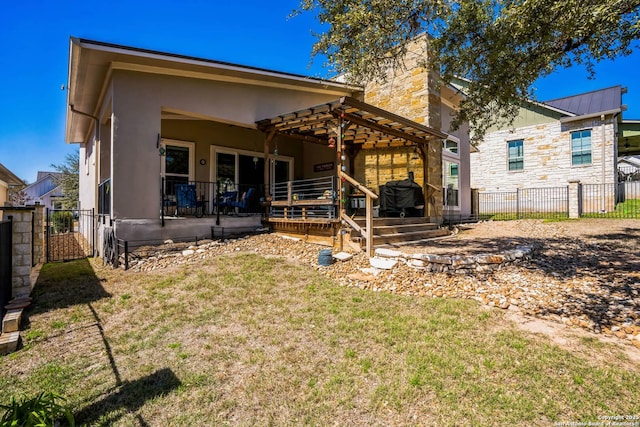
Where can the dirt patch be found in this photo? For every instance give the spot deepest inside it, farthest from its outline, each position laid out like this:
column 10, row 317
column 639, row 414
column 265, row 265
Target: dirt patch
column 492, row 236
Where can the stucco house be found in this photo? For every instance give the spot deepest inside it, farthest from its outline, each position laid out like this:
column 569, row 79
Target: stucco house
column 44, row 191
column 168, row 142
column 7, row 179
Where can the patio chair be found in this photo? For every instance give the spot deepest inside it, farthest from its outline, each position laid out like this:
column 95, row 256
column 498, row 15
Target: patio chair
column 224, row 200
column 243, row 203
column 186, row 199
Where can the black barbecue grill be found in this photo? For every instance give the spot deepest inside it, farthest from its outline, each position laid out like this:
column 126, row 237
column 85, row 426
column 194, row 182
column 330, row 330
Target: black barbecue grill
column 401, row 198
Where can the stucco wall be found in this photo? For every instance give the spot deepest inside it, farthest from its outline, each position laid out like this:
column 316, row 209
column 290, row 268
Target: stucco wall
column 138, row 100
column 547, row 157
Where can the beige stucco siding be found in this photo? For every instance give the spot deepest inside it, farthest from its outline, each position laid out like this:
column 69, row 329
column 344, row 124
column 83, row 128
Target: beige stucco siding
column 139, row 99
column 547, row 157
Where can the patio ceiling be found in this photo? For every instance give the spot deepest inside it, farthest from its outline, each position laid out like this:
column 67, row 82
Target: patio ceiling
column 365, row 126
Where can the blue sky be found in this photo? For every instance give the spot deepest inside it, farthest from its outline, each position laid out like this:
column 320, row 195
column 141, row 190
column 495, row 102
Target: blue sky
column 34, row 44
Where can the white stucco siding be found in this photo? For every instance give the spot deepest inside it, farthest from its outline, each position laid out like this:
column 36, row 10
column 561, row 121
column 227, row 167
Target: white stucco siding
column 87, row 178
column 547, row 157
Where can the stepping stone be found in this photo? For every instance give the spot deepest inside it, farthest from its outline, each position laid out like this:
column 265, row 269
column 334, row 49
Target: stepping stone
column 9, row 342
column 11, row 321
column 342, row 256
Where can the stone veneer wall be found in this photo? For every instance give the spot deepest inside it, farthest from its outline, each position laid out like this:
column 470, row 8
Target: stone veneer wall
column 547, row 157
column 411, row 92
column 22, row 257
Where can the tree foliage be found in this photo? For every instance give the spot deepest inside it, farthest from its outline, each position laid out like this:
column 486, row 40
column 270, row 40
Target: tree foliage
column 500, row 46
column 69, row 180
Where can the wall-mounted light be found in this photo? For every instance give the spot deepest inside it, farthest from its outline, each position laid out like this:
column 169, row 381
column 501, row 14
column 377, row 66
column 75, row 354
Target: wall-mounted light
column 203, row 162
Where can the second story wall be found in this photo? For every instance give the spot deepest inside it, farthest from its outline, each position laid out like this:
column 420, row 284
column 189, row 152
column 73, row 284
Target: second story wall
column 547, row 158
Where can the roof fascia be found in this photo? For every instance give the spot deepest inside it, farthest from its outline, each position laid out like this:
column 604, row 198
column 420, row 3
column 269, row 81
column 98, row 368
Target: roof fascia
column 211, row 64
column 590, row 116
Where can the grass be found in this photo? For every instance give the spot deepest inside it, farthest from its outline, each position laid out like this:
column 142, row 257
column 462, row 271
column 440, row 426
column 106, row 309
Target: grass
column 630, row 208
column 247, row 340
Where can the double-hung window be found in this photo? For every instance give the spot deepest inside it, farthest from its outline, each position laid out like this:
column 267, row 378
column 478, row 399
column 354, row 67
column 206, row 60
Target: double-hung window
column 515, row 152
column 581, row 147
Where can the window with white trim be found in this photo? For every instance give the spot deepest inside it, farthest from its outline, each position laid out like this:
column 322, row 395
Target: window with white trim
column 581, row 147
column 515, row 153
column 451, row 184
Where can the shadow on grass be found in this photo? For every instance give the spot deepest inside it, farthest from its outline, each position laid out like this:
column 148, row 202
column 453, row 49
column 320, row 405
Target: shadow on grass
column 129, row 397
column 62, row 285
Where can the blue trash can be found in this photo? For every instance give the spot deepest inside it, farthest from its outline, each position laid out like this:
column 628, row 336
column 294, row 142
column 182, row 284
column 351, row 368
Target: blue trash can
column 325, row 258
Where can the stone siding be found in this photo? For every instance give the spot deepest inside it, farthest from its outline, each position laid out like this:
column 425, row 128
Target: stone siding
column 23, row 257
column 410, row 91
column 547, row 157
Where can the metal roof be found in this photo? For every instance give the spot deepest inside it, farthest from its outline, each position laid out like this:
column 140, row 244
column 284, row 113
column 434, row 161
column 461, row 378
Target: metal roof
column 364, row 125
column 590, row 102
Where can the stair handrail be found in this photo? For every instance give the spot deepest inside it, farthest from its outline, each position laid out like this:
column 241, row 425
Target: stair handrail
column 370, row 197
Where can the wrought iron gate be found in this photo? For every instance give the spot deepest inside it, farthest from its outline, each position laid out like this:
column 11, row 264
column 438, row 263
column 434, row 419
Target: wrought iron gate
column 70, row 234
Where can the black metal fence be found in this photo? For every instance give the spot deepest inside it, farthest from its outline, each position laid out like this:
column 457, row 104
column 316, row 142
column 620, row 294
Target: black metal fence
column 6, row 246
column 552, row 202
column 70, row 234
column 619, row 200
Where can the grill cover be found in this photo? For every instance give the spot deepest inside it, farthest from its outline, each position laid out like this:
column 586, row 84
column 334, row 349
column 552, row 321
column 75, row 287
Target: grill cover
column 399, row 195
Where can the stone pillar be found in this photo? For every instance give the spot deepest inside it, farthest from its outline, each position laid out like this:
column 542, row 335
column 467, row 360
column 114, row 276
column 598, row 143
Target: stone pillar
column 21, row 254
column 39, row 254
column 574, row 198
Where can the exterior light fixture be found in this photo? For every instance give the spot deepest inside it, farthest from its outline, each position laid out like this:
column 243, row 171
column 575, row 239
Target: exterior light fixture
column 332, row 142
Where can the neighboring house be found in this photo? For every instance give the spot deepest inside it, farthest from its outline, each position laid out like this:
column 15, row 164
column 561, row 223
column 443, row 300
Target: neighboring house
column 149, row 122
column 629, row 168
column 45, row 191
column 7, row 179
column 574, row 138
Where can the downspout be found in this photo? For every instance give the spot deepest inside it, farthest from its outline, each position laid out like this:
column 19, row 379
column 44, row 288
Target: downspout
column 97, row 120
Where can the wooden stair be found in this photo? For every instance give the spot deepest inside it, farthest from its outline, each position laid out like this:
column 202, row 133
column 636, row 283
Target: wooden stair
column 402, row 231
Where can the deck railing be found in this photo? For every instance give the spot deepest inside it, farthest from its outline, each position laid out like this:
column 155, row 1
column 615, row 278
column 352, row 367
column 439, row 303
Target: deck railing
column 370, row 196
column 305, row 199
column 209, row 198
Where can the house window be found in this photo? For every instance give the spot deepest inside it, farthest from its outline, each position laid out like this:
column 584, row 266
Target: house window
column 451, row 184
column 451, row 146
column 581, row 147
column 515, row 150
column 177, row 164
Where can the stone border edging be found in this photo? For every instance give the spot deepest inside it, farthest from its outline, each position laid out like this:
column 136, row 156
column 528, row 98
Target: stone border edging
column 482, row 263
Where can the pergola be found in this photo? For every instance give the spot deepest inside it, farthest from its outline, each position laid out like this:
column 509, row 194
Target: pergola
column 351, row 125
column 350, row 122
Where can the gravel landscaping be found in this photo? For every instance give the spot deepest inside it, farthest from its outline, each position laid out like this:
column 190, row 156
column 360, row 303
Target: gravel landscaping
column 583, row 274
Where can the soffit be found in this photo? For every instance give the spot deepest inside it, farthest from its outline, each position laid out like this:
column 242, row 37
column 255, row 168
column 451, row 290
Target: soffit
column 91, row 62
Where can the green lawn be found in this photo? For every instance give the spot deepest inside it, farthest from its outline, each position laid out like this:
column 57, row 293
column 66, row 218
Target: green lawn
column 247, row 340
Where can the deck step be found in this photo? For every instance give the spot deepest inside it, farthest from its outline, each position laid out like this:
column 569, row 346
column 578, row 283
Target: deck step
column 400, row 230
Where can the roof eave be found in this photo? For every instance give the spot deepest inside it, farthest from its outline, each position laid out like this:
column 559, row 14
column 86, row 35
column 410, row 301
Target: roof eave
column 590, row 116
